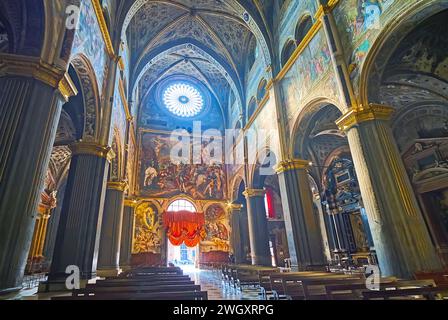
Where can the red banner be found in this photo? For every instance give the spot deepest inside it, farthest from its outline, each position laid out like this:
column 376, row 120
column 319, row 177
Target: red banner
column 184, row 227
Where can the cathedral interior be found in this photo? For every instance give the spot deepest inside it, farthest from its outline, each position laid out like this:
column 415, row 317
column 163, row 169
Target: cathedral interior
column 223, row 149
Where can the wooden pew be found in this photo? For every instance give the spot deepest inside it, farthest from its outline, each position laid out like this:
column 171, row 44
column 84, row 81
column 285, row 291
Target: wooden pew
column 358, row 291
column 182, row 295
column 298, row 288
column 440, row 278
column 276, row 281
column 141, row 283
column 137, row 289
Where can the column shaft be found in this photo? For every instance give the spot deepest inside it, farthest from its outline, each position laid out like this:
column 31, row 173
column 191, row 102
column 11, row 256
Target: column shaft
column 401, row 238
column 126, row 237
column 29, row 113
column 258, row 228
column 78, row 235
column 109, row 252
column 302, row 225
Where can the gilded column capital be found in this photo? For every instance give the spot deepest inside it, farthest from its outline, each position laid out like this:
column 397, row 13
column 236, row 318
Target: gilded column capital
column 33, row 67
column 232, row 207
column 292, row 164
column 93, row 149
column 117, row 185
column 252, row 193
column 364, row 114
column 132, row 203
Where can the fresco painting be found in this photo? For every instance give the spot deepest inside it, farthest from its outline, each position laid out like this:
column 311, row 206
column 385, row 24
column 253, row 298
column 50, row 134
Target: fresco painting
column 149, row 231
column 162, row 177
column 88, row 41
column 217, row 229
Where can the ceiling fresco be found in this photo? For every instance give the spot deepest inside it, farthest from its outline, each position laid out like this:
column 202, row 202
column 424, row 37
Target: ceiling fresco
column 208, row 40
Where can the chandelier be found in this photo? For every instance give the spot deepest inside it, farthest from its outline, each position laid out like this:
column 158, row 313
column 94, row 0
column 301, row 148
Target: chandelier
column 183, row 100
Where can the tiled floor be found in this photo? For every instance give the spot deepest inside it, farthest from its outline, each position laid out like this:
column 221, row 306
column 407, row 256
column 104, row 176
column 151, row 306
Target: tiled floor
column 209, row 281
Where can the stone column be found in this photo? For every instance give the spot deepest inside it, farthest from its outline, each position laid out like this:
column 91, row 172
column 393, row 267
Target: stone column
column 258, row 227
column 127, row 234
column 236, row 239
column 31, row 97
column 110, row 241
column 78, row 235
column 400, row 235
column 302, row 225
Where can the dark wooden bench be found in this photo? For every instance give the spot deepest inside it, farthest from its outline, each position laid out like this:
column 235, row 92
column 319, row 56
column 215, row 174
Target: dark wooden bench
column 299, row 288
column 141, row 283
column 178, row 295
column 426, row 293
column 138, row 289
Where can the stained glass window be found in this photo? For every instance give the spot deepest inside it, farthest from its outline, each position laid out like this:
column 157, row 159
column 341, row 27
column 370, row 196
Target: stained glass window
column 183, row 100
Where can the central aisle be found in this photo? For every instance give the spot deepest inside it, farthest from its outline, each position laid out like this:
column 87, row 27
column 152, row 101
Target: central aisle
column 210, row 280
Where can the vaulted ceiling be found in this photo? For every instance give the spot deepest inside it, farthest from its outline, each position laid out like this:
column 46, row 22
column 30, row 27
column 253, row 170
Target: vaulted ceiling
column 208, row 40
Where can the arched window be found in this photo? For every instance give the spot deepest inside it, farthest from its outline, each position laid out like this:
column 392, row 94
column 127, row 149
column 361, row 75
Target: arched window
column 261, row 90
column 303, row 28
column 181, row 205
column 287, row 51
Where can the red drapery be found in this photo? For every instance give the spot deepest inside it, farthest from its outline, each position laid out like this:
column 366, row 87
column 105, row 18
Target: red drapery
column 184, row 227
column 270, row 202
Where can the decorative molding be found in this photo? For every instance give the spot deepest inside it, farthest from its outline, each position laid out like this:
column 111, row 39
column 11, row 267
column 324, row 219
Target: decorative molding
column 124, row 100
column 33, row 67
column 322, row 10
column 232, row 207
column 132, row 203
column 117, row 185
column 104, row 31
column 356, row 116
column 293, row 164
column 93, row 149
column 252, row 193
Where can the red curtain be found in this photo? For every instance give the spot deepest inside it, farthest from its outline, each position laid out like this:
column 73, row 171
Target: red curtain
column 184, row 227
column 270, row 202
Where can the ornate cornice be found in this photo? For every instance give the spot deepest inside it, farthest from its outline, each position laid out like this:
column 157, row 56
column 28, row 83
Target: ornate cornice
column 117, row 185
column 104, row 31
column 93, row 149
column 252, row 193
column 232, row 207
column 293, row 164
column 363, row 114
column 132, row 203
column 34, row 67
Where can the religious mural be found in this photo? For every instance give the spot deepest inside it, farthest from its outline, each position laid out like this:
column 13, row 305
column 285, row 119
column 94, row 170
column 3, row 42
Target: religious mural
column 217, row 229
column 149, row 231
column 162, row 177
column 311, row 67
column 88, row 40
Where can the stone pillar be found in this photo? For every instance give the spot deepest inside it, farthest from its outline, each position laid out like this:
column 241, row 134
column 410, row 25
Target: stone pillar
column 78, row 235
column 236, row 239
column 302, row 225
column 127, row 234
column 31, row 97
column 258, row 227
column 110, row 241
column 401, row 239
